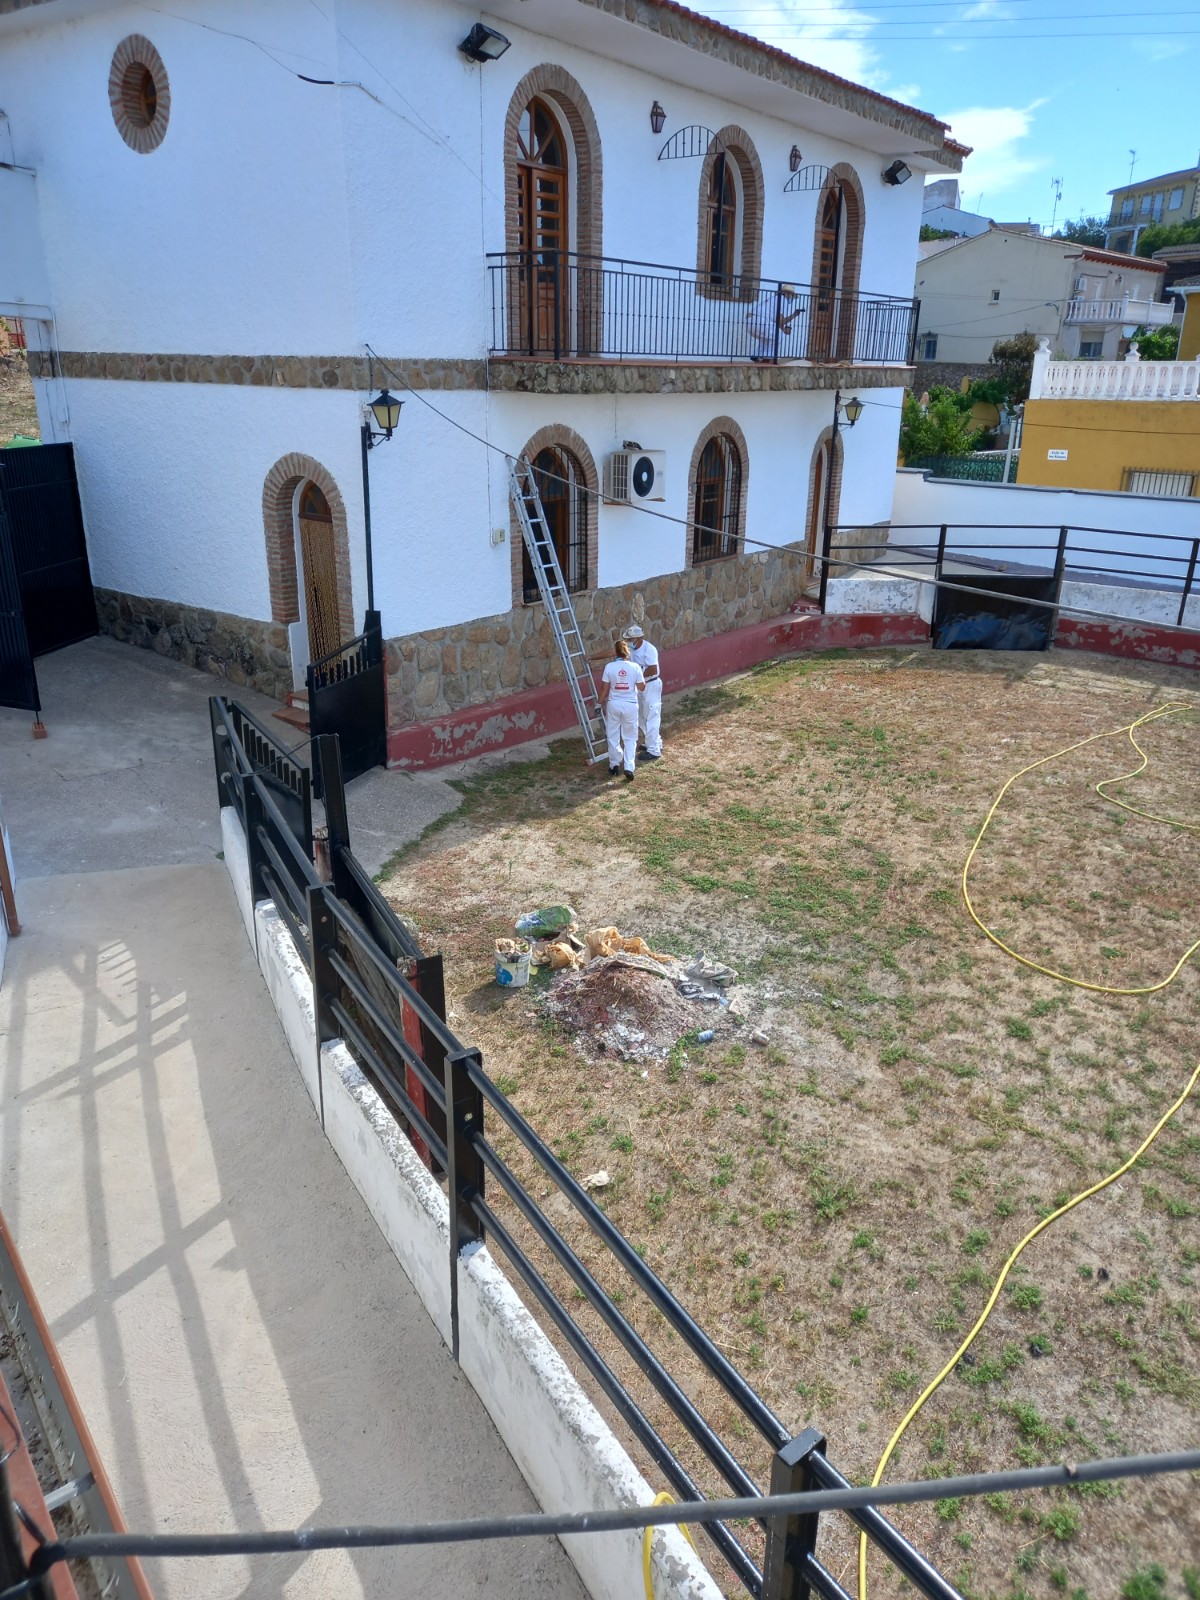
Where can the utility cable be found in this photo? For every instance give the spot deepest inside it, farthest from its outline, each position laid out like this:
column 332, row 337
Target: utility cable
column 936, row 1382
column 538, row 1525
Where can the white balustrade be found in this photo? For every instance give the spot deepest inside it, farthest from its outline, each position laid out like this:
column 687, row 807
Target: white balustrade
column 1131, row 379
column 1142, row 313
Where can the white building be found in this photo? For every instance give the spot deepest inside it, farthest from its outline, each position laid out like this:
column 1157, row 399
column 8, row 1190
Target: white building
column 233, row 207
column 1005, row 282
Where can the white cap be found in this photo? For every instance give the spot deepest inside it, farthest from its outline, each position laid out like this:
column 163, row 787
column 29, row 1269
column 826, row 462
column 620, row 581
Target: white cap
column 634, row 632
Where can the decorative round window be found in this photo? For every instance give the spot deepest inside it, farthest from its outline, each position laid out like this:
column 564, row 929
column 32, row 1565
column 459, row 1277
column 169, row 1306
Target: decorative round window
column 139, row 94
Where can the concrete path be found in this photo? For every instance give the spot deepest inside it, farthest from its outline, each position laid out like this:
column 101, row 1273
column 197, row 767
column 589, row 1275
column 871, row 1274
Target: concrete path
column 247, row 1349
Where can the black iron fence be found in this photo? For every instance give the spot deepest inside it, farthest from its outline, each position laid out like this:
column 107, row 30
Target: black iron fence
column 1118, row 558
column 554, row 305
column 373, row 989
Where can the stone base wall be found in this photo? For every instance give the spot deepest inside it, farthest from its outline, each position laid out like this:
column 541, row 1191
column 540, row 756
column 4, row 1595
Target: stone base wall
column 242, row 650
column 949, row 374
column 437, row 673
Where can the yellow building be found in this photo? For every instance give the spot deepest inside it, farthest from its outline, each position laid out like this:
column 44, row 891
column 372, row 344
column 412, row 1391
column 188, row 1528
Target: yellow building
column 1189, row 337
column 1127, row 425
column 1169, row 198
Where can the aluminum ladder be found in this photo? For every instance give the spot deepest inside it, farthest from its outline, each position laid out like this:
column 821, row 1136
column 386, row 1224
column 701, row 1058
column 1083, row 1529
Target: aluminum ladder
column 543, row 558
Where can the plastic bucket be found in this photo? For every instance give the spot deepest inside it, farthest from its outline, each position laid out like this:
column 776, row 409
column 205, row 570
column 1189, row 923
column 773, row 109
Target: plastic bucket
column 512, row 963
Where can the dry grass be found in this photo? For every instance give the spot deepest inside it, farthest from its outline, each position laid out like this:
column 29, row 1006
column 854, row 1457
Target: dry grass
column 834, row 1208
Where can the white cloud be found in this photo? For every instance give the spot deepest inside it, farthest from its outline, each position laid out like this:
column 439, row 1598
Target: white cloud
column 996, row 134
column 850, row 54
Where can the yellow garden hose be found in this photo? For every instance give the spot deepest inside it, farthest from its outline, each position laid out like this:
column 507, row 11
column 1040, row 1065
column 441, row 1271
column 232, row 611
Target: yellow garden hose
column 648, row 1538
column 1098, row 988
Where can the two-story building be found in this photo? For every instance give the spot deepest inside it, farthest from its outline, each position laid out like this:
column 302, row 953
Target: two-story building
column 562, row 229
column 1087, row 302
column 1169, row 198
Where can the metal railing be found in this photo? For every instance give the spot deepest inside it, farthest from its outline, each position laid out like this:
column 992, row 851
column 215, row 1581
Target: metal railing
column 370, row 990
column 1141, row 561
column 557, row 305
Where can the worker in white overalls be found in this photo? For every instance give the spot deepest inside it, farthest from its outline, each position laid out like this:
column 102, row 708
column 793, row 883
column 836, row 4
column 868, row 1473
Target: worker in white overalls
column 650, row 705
column 621, row 685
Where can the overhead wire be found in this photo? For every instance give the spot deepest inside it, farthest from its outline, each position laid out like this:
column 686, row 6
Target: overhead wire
column 1171, row 708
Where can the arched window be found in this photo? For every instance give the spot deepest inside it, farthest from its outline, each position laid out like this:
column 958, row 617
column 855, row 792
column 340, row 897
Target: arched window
column 717, row 500
column 720, row 244
column 563, row 488
column 729, row 240
column 837, row 260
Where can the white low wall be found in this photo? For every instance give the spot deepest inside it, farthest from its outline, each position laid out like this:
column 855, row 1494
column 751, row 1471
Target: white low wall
column 570, row 1458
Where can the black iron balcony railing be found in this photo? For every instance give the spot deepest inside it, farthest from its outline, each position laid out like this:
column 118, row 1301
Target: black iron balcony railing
column 556, row 305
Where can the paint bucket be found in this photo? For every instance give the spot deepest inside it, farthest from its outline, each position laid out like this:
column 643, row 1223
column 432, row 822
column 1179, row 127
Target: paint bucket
column 512, row 963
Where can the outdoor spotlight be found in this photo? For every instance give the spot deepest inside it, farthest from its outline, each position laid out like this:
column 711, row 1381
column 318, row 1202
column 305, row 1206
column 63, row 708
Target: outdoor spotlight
column 899, row 172
column 385, row 408
column 657, row 117
column 795, row 159
column 853, row 409
column 484, row 44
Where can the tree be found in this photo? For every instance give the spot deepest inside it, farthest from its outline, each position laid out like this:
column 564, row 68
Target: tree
column 1013, row 360
column 1159, row 344
column 1084, row 230
column 935, row 233
column 940, row 428
column 1161, row 234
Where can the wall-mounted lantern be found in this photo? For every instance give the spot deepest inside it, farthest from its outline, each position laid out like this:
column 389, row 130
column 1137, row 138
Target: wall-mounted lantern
column 795, row 159
column 658, row 117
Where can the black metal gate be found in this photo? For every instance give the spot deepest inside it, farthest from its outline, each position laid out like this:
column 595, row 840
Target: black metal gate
column 991, row 623
column 45, row 530
column 18, row 681
column 346, row 696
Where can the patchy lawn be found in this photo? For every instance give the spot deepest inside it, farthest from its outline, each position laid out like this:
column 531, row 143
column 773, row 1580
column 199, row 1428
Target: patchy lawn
column 834, row 1207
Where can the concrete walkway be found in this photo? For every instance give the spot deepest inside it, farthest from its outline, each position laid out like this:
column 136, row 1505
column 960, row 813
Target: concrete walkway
column 247, row 1350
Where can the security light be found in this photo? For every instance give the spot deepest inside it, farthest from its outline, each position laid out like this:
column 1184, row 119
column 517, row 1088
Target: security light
column 484, row 44
column 899, row 172
column 658, row 117
column 385, row 408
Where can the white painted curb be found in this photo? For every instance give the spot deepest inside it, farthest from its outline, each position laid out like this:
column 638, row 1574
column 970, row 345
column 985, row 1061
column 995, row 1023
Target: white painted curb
column 568, row 1455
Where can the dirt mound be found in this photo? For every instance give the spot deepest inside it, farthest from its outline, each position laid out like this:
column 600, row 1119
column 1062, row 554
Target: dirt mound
column 617, row 1009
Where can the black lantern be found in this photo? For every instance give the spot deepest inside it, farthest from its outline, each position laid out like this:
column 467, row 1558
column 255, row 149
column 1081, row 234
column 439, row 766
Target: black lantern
column 899, row 172
column 795, row 159
column 484, row 44
column 853, row 409
column 657, row 117
column 385, row 408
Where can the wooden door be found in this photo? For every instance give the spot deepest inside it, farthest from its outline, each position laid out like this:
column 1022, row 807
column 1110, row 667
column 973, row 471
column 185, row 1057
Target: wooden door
column 543, row 236
column 721, row 236
column 815, row 535
column 825, row 290
column 319, row 572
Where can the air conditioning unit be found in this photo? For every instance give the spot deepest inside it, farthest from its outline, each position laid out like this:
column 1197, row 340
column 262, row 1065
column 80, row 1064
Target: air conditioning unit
column 632, row 477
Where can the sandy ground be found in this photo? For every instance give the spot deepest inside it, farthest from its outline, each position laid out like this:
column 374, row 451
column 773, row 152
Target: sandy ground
column 835, row 1205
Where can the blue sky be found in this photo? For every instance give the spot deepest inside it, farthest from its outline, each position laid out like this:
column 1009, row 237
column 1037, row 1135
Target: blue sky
column 1042, row 89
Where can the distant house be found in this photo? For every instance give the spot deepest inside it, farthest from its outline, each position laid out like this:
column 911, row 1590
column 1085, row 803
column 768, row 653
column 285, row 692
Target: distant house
column 1086, row 302
column 1171, row 197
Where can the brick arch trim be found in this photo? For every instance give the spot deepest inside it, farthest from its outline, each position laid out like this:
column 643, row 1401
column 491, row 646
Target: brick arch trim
column 737, row 144
column 563, row 438
column 279, row 493
column 730, row 428
column 833, row 495
column 843, row 176
column 136, row 50
column 556, row 84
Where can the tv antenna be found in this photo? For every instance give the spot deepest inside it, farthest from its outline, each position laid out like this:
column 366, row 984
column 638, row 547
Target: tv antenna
column 1132, row 163
column 1056, row 184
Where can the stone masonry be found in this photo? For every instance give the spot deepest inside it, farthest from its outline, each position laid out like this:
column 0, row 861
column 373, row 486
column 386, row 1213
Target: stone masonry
column 241, row 650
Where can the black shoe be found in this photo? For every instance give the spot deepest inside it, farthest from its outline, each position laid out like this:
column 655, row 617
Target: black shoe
column 644, row 755
column 629, row 776
column 612, row 771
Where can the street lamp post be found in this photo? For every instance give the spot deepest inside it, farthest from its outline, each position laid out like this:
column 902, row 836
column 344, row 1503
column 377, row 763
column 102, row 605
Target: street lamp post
column 385, row 409
column 853, row 409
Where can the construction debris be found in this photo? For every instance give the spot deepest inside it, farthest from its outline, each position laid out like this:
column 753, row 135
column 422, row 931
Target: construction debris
column 547, row 923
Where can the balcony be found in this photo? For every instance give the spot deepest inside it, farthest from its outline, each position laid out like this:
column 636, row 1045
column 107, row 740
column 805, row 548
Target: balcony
column 550, row 305
column 1133, row 313
column 1131, row 379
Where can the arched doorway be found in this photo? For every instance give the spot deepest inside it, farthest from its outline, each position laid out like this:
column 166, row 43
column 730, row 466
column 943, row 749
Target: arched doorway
column 824, row 496
column 837, row 257
column 316, row 561
column 562, row 485
column 721, row 206
column 543, row 228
